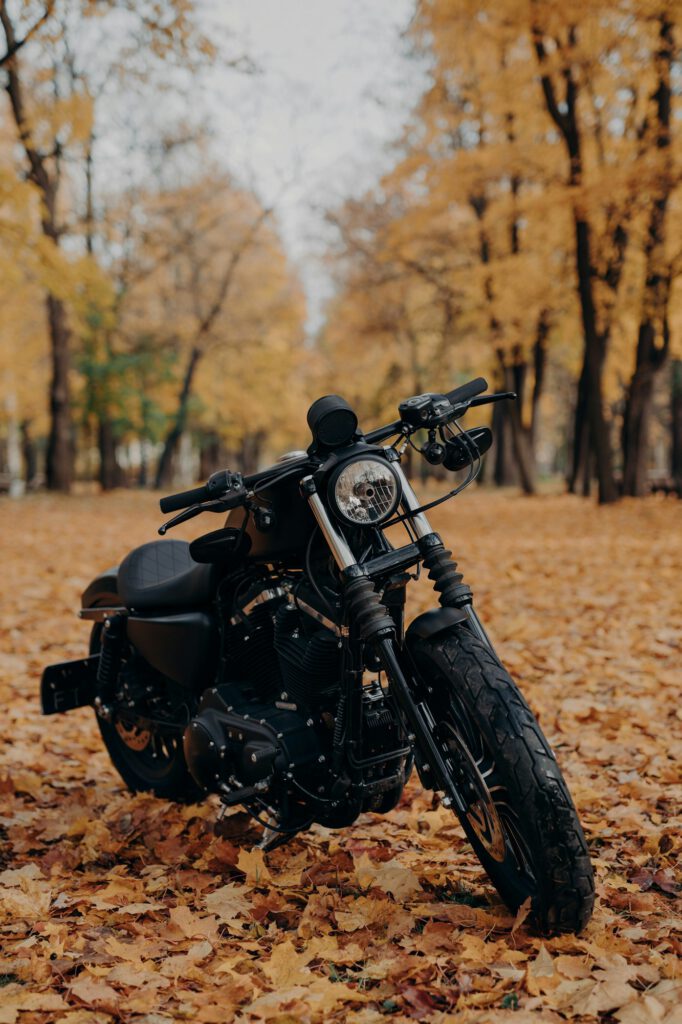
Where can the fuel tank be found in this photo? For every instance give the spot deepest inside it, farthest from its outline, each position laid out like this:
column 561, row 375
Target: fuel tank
column 281, row 535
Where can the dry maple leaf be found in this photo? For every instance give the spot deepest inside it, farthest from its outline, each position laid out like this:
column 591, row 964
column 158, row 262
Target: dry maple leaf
column 286, row 967
column 252, row 863
column 231, row 905
column 390, row 876
column 94, row 992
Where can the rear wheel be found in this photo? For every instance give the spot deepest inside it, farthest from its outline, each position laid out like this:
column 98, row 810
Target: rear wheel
column 520, row 818
column 150, row 757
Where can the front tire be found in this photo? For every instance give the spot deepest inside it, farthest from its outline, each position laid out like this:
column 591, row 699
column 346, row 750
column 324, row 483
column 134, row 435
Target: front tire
column 520, row 817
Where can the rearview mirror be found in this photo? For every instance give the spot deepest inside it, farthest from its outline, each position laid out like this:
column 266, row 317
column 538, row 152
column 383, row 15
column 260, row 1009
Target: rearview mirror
column 464, row 449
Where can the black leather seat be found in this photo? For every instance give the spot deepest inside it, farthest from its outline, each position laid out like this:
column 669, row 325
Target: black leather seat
column 162, row 574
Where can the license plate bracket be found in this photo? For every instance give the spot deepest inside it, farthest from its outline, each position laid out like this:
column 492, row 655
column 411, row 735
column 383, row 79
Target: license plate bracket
column 68, row 685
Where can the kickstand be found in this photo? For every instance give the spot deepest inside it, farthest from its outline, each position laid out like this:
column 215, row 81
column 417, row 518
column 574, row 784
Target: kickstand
column 272, row 838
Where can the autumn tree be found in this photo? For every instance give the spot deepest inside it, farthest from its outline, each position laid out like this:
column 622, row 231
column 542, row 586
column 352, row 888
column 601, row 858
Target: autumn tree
column 390, row 327
column 204, row 283
column 51, row 104
column 28, row 266
column 537, row 186
column 465, row 220
column 476, row 147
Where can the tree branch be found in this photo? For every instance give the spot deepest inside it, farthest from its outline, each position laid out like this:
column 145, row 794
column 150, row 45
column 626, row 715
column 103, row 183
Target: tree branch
column 546, row 81
column 38, row 171
column 226, row 281
column 16, row 44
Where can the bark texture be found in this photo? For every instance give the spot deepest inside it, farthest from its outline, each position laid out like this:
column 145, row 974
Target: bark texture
column 653, row 336
column 592, row 431
column 44, row 173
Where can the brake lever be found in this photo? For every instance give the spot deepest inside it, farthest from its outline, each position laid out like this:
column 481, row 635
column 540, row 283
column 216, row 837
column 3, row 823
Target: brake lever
column 499, row 396
column 217, row 505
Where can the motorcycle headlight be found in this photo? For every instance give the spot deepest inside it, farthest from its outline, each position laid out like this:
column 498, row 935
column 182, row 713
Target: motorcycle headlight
column 365, row 492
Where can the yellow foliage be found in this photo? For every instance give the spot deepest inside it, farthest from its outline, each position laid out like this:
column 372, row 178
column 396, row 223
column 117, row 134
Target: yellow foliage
column 467, row 248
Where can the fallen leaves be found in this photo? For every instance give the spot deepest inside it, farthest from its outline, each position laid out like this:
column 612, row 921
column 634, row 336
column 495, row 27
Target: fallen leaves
column 116, row 906
column 390, row 876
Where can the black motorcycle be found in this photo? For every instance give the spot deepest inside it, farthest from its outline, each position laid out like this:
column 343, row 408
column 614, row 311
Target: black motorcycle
column 267, row 661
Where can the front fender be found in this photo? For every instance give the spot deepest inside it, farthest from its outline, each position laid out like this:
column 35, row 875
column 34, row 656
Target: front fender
column 430, row 623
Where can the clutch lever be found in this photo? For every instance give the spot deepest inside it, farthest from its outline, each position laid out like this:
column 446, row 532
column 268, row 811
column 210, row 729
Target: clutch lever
column 217, row 505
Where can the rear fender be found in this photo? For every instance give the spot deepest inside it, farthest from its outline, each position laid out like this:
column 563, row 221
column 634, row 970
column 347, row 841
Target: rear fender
column 102, row 591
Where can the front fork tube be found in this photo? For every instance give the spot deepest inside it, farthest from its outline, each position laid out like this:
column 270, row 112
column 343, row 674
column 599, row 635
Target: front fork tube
column 421, row 727
column 422, row 529
column 477, row 626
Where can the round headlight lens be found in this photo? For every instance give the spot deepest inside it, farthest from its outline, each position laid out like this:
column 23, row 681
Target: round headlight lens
column 366, row 492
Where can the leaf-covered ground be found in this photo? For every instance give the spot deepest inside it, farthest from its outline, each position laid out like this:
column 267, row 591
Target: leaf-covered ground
column 125, row 908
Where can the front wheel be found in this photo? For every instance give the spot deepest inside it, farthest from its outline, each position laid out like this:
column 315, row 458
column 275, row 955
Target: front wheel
column 520, row 818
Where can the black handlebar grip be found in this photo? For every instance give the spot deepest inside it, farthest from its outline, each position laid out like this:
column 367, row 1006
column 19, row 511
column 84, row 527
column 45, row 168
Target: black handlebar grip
column 174, row 502
column 467, row 391
column 215, row 487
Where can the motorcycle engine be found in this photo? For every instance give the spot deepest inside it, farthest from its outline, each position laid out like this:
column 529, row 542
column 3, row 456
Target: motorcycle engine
column 240, row 749
column 266, row 735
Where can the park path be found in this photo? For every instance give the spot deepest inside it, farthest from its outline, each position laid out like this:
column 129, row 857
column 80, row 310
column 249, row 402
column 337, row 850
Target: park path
column 120, row 907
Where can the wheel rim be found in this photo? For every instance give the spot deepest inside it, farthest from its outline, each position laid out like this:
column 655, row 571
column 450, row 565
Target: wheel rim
column 490, row 813
column 133, row 735
column 482, row 812
column 151, row 753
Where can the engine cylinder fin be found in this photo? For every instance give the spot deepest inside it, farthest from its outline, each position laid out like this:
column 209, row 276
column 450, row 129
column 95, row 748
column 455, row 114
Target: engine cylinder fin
column 310, row 664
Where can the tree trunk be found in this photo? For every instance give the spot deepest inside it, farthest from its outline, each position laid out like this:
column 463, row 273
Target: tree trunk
column 504, row 472
column 164, row 473
column 539, row 371
column 109, row 469
column 587, row 471
column 596, row 344
column 653, row 339
column 515, row 438
column 251, row 451
column 60, row 453
column 676, row 425
column 16, row 479
column 637, row 417
column 143, row 474
column 30, row 454
column 515, row 380
column 522, row 454
column 565, row 116
column 211, row 455
column 581, row 433
column 636, row 432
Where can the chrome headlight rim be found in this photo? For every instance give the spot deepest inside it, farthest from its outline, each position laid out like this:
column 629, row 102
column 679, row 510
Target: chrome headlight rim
column 382, row 507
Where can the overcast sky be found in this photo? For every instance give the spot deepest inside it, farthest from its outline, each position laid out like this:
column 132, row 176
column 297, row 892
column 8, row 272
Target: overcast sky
column 316, row 123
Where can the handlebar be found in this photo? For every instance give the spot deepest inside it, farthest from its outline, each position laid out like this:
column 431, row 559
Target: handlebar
column 215, row 487
column 431, row 409
column 421, row 411
column 467, row 391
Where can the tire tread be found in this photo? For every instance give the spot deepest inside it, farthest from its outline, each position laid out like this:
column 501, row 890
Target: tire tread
column 525, row 758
